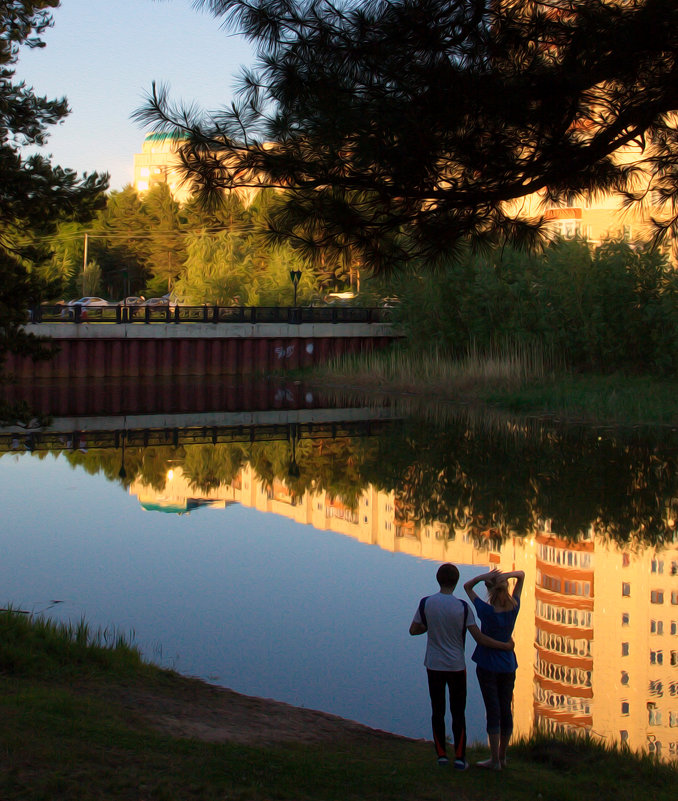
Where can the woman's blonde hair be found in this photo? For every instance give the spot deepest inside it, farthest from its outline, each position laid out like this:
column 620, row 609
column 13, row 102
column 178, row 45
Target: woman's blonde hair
column 498, row 593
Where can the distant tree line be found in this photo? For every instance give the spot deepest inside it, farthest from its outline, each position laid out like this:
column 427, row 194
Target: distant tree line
column 147, row 244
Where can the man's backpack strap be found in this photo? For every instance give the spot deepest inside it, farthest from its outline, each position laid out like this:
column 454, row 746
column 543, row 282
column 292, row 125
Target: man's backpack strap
column 463, row 635
column 422, row 610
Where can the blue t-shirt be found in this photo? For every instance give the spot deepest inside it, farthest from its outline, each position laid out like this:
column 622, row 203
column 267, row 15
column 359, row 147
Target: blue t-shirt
column 499, row 626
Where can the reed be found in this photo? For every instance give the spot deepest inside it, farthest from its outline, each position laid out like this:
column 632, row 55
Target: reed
column 507, row 366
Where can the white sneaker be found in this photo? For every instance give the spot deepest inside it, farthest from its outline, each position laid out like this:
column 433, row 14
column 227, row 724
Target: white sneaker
column 488, row 764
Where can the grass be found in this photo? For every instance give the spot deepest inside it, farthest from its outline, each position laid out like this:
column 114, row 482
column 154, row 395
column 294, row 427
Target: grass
column 515, row 379
column 62, row 737
column 634, row 400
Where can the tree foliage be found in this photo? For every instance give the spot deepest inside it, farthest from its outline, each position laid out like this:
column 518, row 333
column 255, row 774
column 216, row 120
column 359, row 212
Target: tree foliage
column 605, row 308
column 147, row 244
column 401, row 128
column 34, row 194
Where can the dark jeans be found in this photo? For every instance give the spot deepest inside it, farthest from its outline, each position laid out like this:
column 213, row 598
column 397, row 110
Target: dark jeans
column 497, row 690
column 438, row 681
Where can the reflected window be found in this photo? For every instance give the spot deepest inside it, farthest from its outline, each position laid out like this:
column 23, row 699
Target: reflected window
column 623, row 735
column 626, row 559
column 626, row 589
column 674, row 627
column 674, row 597
column 656, row 657
column 654, row 715
column 674, row 658
column 626, row 618
column 624, row 678
column 656, row 627
column 625, row 708
column 673, row 719
column 657, row 597
column 625, row 649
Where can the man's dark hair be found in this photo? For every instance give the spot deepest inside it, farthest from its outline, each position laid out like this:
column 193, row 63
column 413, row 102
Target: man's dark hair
column 447, row 575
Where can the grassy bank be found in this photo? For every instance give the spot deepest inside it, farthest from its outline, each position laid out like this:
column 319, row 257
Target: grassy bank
column 67, row 734
column 519, row 381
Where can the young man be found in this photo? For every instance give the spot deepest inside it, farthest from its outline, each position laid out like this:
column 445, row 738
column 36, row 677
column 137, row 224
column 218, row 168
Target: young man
column 445, row 619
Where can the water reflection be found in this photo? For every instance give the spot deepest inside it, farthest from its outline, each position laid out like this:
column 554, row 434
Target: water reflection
column 589, row 516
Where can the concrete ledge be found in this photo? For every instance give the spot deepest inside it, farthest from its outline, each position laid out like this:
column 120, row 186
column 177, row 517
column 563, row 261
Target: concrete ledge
column 210, row 330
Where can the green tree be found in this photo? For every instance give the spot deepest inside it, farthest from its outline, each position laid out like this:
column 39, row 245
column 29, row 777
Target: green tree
column 34, row 194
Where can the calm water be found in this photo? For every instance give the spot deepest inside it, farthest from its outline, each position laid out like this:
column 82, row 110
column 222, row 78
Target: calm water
column 282, row 553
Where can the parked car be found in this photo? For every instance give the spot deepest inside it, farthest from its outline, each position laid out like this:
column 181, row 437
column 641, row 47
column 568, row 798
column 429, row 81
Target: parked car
column 133, row 300
column 165, row 300
column 90, row 301
column 88, row 306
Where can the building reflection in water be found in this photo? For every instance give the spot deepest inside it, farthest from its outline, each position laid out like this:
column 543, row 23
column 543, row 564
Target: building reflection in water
column 596, row 639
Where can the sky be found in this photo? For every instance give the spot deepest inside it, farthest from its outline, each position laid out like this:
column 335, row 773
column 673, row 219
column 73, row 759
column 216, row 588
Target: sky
column 103, row 55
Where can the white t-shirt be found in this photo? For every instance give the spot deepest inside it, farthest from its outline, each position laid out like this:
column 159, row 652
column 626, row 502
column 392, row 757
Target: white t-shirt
column 445, row 631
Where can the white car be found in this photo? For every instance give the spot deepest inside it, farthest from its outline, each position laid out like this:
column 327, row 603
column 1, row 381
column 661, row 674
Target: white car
column 90, row 301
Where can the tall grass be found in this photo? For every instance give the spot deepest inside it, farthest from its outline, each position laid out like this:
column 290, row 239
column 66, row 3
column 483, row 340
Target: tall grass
column 505, row 367
column 36, row 645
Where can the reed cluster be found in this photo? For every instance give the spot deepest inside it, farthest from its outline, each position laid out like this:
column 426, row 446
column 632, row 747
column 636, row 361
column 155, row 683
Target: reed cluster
column 506, row 367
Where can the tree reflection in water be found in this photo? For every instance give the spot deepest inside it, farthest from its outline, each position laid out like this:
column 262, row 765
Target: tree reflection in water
column 489, row 479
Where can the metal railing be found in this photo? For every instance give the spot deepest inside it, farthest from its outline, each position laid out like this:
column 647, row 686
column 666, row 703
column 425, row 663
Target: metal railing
column 208, row 314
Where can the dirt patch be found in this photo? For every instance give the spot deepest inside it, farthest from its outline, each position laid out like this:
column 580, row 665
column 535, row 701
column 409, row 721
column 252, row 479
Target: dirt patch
column 192, row 708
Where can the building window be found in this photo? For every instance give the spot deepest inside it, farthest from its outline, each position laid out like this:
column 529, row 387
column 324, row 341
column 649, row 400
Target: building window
column 674, row 597
column 625, row 649
column 625, row 708
column 656, row 657
column 626, row 560
column 626, row 589
column 626, row 618
column 657, row 597
column 673, row 719
column 674, row 658
column 657, row 566
column 674, row 627
column 656, row 627
column 624, row 678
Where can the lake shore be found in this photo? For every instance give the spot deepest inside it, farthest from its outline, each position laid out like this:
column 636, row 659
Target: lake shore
column 506, row 385
column 87, row 721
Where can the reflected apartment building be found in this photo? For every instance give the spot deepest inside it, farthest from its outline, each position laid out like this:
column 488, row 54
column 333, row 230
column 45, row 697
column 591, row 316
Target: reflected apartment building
column 596, row 639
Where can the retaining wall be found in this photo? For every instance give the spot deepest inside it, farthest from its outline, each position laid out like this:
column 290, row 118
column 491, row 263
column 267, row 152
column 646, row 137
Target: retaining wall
column 98, row 351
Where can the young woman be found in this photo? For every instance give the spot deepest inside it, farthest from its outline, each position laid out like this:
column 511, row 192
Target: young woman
column 496, row 670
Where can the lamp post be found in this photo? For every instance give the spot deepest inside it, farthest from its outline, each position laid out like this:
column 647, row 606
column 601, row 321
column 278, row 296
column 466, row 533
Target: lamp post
column 295, row 277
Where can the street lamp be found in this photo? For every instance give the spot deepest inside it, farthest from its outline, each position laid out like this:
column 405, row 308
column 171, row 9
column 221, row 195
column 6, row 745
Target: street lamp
column 295, row 277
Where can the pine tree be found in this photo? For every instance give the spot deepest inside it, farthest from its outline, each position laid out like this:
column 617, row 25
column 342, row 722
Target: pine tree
column 34, row 194
column 399, row 129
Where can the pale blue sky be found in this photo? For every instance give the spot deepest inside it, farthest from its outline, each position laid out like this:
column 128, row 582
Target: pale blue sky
column 104, row 54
